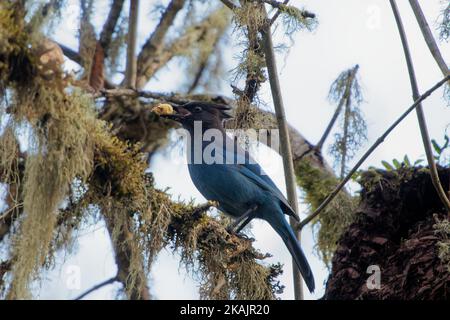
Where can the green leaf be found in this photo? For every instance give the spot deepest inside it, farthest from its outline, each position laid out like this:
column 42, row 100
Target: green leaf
column 436, row 147
column 397, row 164
column 387, row 165
column 417, row 162
column 447, row 141
column 406, row 161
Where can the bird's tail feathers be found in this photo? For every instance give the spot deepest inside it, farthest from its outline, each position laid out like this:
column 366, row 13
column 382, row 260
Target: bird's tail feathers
column 284, row 230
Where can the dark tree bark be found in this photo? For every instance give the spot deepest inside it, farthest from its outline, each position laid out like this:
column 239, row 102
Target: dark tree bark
column 395, row 231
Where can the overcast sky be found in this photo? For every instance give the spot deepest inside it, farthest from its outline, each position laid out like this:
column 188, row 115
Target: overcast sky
column 350, row 32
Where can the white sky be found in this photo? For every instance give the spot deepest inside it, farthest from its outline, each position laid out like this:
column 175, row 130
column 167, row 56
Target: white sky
column 350, row 32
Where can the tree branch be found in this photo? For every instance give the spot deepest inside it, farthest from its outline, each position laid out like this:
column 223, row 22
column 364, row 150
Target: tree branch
column 131, row 69
column 277, row 14
column 428, row 36
column 179, row 46
column 229, row 4
column 347, row 93
column 419, row 110
column 333, row 194
column 110, row 24
column 286, row 150
column 98, row 286
column 155, row 43
column 123, row 255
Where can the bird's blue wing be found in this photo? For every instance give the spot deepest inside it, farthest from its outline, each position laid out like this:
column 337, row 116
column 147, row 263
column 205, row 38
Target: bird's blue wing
column 248, row 167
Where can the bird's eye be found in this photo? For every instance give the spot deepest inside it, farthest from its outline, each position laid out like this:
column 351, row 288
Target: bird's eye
column 198, row 109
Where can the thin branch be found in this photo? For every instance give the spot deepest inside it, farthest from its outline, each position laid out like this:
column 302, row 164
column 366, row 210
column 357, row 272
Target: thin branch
column 428, row 36
column 131, row 93
column 198, row 75
column 155, row 43
column 345, row 136
column 131, row 69
column 71, row 54
column 286, row 151
column 347, row 93
column 110, row 24
column 229, row 4
column 177, row 47
column 420, row 114
column 98, row 286
column 280, row 6
column 277, row 14
column 333, row 194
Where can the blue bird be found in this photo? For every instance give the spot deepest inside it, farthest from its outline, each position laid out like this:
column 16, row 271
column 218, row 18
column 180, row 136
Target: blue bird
column 224, row 172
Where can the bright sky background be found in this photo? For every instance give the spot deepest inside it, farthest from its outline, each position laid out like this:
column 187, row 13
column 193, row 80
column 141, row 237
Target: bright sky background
column 350, row 32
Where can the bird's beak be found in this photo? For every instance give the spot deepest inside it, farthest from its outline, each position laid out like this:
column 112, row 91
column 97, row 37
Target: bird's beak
column 169, row 111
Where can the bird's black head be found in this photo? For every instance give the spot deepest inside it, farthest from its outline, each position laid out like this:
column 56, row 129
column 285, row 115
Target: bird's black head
column 211, row 115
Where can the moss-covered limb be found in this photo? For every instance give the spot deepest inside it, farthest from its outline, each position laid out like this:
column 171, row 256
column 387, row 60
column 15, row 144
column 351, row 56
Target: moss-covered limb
column 317, row 185
column 227, row 265
column 184, row 45
column 341, row 91
column 345, row 91
column 129, row 259
column 145, row 220
column 249, row 17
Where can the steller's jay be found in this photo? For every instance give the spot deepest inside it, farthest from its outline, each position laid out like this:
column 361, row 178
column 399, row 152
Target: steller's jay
column 231, row 177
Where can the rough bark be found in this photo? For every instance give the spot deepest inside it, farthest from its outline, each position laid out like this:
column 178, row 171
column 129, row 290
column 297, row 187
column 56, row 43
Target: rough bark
column 394, row 230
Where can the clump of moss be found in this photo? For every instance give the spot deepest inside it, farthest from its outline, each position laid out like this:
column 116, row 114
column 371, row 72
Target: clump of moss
column 295, row 19
column 336, row 217
column 249, row 14
column 62, row 151
column 225, row 264
column 15, row 58
column 247, row 116
column 442, row 229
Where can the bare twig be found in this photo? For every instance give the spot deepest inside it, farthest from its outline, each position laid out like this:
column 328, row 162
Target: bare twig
column 286, row 150
column 110, row 24
column 369, row 152
column 428, row 36
column 420, row 114
column 131, row 70
column 347, row 93
column 155, row 43
column 98, row 286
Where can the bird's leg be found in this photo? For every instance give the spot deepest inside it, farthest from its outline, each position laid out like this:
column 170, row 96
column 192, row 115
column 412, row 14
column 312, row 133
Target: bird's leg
column 242, row 221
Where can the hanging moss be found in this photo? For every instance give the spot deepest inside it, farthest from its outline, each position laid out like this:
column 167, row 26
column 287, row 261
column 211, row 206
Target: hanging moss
column 336, row 217
column 442, row 230
column 63, row 150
